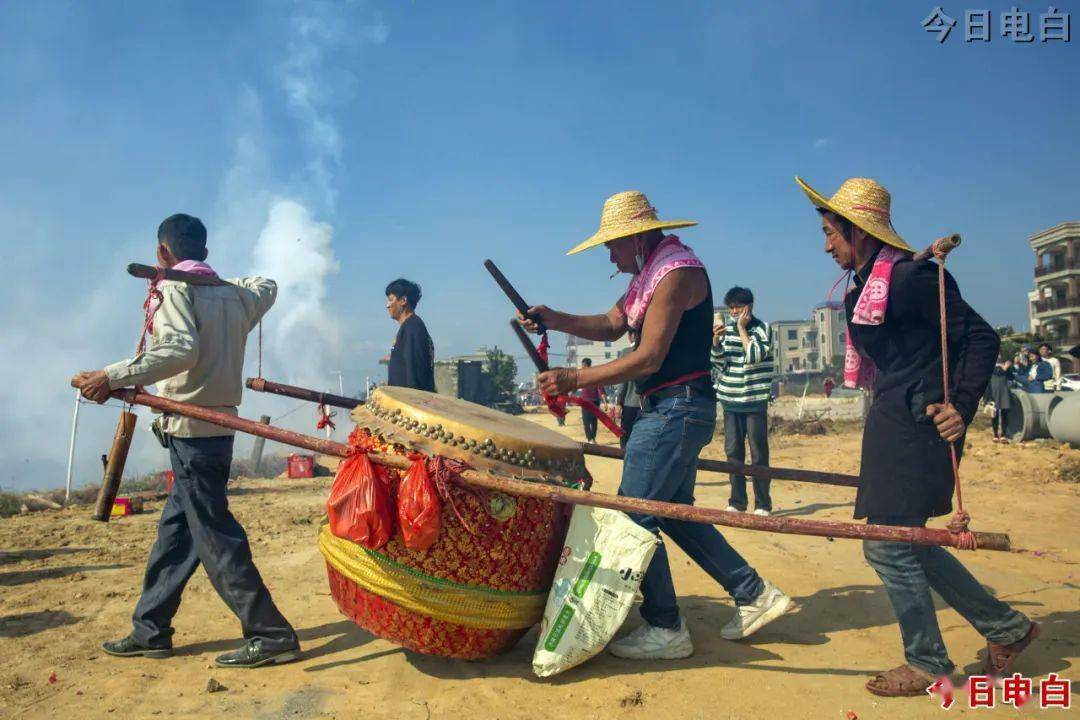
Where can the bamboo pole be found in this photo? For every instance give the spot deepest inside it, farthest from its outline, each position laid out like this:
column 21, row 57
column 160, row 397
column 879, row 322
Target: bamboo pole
column 556, row 493
column 615, row 453
column 114, row 467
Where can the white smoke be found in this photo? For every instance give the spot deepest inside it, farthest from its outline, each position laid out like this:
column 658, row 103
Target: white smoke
column 304, row 340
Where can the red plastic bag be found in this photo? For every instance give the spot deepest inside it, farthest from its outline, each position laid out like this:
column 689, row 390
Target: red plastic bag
column 359, row 505
column 419, row 508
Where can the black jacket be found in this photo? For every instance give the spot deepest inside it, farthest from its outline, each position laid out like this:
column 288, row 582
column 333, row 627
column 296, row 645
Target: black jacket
column 412, row 360
column 997, row 391
column 906, row 470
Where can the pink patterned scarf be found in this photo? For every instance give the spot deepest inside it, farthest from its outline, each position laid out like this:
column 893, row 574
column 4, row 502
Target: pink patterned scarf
column 669, row 255
column 870, row 309
column 195, row 267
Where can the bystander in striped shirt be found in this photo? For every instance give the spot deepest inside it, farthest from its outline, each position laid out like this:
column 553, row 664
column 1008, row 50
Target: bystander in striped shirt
column 743, row 376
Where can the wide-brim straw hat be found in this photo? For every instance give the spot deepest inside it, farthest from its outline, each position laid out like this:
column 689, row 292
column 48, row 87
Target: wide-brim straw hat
column 625, row 214
column 864, row 203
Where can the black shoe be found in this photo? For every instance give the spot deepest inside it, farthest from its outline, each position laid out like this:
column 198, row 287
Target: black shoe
column 253, row 655
column 130, row 647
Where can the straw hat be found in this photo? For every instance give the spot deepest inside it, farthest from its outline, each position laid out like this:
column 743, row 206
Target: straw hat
column 863, row 202
column 627, row 213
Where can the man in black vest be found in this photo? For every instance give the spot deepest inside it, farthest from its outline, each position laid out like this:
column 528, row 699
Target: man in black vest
column 669, row 302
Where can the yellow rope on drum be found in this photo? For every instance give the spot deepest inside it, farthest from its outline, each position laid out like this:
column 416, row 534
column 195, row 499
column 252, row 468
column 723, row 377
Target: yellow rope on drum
column 441, row 599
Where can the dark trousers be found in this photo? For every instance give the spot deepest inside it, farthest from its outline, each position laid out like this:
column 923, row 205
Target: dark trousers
column 197, row 527
column 1000, row 422
column 909, row 572
column 738, row 429
column 589, row 421
column 629, row 415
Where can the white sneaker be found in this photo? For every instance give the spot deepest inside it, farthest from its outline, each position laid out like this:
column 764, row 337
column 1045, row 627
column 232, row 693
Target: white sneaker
column 654, row 643
column 762, row 512
column 731, row 508
column 767, row 606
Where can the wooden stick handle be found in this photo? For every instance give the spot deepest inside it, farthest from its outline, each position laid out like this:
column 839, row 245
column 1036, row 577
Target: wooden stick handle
column 114, row 468
column 557, row 493
column 259, row 384
column 149, row 272
column 940, row 247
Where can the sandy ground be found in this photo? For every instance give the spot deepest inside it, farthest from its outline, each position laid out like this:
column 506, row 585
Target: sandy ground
column 67, row 583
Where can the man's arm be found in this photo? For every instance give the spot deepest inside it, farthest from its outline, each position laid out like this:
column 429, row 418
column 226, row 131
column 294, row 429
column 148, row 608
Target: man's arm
column 175, row 343
column 606, row 328
column 263, row 293
column 672, row 297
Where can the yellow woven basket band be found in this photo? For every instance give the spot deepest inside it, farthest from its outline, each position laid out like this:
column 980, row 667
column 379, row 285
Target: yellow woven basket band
column 440, row 599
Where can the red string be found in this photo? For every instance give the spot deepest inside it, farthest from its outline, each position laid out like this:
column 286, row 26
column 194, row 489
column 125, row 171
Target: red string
column 958, row 524
column 150, row 306
column 557, row 403
column 443, row 471
column 325, row 418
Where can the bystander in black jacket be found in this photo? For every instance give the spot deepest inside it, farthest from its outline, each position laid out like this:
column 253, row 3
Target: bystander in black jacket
column 412, row 360
column 906, row 470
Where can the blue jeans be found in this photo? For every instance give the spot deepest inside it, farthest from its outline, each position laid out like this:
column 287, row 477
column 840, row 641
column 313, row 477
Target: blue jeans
column 910, row 571
column 661, row 464
column 197, row 528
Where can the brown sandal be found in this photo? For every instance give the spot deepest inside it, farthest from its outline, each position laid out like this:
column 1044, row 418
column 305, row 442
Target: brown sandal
column 903, row 681
column 1000, row 658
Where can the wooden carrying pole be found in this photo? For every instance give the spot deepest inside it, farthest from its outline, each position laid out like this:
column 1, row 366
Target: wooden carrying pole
column 149, row 272
column 114, row 468
column 555, row 493
column 615, row 453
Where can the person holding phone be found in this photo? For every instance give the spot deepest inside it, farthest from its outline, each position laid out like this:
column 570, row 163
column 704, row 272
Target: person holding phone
column 742, row 362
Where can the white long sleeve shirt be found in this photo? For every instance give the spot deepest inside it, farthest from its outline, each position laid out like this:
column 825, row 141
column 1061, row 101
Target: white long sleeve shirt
column 196, row 350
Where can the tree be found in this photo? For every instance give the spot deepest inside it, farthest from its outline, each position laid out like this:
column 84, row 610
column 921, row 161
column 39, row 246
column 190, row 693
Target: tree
column 502, row 371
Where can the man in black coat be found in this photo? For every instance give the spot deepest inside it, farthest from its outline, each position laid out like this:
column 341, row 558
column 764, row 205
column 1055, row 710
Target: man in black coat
column 906, row 475
column 412, row 359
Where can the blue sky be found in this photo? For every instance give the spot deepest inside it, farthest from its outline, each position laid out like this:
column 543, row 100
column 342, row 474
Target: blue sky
column 419, row 138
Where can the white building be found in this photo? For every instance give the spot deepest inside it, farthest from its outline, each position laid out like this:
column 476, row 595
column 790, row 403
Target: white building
column 600, row 352
column 801, row 346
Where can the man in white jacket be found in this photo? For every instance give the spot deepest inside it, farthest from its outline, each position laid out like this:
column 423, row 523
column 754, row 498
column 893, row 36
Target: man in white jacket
column 196, row 356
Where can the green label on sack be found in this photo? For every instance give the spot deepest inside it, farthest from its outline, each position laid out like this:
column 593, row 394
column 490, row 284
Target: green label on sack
column 587, row 573
column 559, row 628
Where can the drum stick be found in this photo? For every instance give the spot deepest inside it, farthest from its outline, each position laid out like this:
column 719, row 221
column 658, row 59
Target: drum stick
column 149, row 272
column 534, row 354
column 515, row 297
column 560, row 494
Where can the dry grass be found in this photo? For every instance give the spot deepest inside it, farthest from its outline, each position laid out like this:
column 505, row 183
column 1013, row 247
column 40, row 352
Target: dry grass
column 1068, row 470
column 12, row 503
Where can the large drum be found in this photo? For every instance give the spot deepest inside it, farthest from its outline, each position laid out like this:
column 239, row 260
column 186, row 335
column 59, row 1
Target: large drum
column 484, row 581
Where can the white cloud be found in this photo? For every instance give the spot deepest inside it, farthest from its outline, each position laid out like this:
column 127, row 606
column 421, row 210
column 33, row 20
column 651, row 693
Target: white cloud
column 820, row 143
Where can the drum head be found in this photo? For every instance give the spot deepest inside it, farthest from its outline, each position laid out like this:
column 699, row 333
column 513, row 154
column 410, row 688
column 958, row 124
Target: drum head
column 488, row 439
